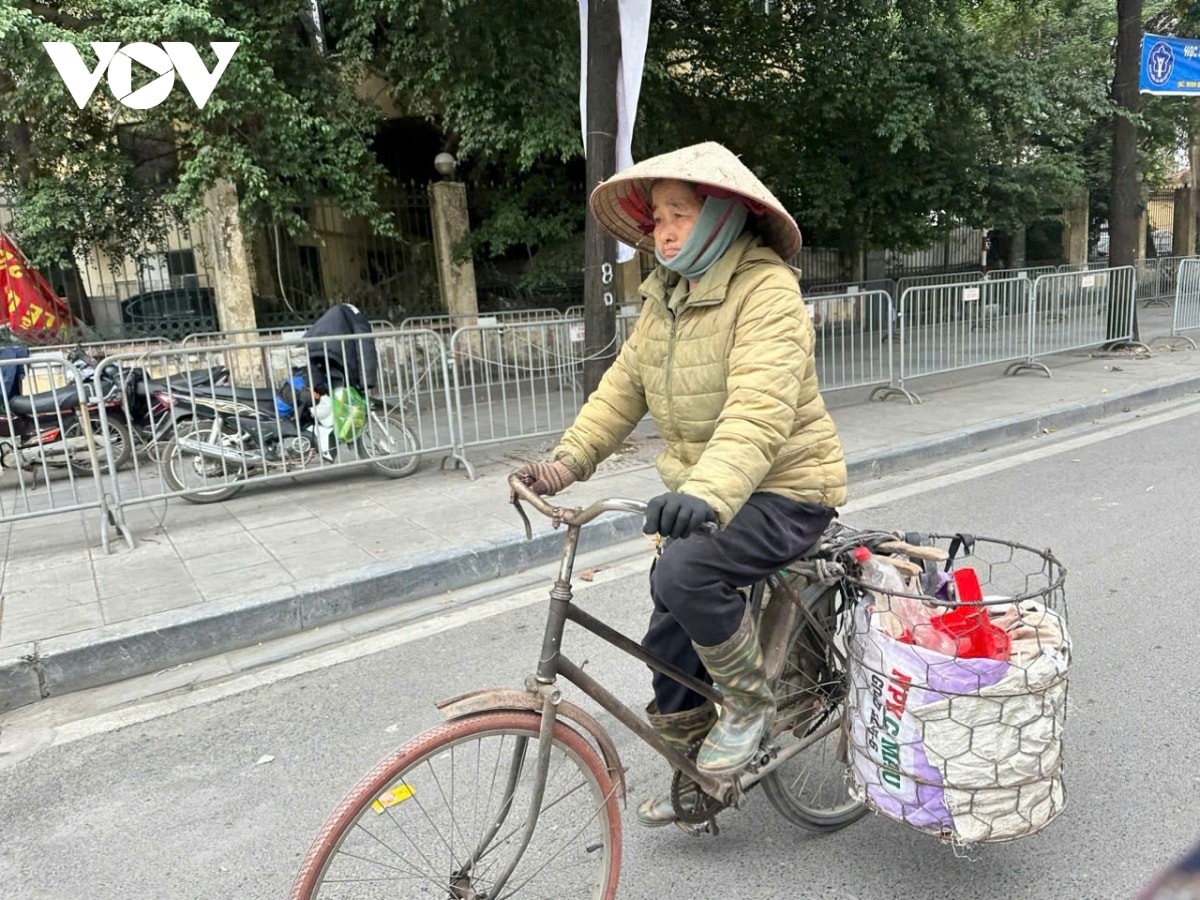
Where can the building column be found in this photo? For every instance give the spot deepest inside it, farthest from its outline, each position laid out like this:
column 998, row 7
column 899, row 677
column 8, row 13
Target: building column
column 456, row 280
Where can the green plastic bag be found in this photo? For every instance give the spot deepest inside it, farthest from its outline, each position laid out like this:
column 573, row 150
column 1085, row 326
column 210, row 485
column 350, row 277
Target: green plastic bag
column 349, row 413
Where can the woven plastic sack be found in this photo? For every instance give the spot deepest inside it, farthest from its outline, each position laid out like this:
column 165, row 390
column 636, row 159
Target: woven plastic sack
column 966, row 749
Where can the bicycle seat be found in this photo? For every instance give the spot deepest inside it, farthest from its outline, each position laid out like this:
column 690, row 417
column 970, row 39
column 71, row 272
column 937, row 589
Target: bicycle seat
column 66, row 398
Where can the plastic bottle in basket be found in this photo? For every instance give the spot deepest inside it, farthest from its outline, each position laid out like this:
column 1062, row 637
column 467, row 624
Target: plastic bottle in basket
column 906, row 619
column 884, row 583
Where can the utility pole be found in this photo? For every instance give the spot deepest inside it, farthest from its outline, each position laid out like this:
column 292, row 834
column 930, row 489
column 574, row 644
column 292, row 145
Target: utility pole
column 1124, row 208
column 600, row 289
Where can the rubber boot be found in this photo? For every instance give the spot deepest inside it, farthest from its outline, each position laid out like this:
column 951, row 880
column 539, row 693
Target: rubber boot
column 681, row 731
column 748, row 703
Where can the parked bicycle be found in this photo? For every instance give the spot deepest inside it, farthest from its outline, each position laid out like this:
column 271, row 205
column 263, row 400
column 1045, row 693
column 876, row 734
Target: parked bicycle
column 516, row 794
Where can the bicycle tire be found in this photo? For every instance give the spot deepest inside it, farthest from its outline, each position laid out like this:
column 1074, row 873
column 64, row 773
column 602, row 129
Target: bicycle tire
column 378, row 869
column 811, row 789
column 402, row 442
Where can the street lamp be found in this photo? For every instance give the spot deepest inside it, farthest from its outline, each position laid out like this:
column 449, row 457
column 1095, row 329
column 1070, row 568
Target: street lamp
column 445, row 164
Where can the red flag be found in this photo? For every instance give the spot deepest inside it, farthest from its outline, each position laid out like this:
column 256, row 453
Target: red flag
column 29, row 305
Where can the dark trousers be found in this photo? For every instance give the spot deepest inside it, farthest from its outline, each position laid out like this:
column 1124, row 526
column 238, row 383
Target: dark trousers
column 694, row 584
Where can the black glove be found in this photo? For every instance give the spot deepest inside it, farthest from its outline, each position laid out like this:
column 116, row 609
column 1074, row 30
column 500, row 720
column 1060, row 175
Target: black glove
column 677, row 515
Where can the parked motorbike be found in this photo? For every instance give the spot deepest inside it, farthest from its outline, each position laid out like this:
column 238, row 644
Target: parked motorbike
column 149, row 409
column 46, row 428
column 223, row 434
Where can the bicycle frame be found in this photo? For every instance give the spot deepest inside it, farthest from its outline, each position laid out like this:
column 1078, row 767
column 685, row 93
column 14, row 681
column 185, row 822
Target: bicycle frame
column 778, row 622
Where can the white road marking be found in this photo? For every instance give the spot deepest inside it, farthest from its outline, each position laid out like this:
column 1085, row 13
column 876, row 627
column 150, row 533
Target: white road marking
column 924, row 485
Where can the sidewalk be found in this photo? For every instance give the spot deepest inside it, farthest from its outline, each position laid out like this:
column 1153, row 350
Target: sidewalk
column 283, row 559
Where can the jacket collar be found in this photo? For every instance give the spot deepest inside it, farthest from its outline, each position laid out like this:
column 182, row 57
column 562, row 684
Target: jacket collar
column 713, row 286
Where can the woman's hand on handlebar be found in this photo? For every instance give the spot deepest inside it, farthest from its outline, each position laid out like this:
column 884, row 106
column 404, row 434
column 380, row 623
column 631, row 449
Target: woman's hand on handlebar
column 545, row 479
column 678, row 515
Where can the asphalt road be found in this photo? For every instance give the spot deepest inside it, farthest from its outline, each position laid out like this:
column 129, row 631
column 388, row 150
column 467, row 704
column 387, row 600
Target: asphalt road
column 215, row 790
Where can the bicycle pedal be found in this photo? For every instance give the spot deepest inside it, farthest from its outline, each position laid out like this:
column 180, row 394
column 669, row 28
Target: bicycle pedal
column 698, row 828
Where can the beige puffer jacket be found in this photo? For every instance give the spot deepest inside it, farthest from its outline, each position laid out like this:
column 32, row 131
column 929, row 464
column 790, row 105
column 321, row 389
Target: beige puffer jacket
column 731, row 384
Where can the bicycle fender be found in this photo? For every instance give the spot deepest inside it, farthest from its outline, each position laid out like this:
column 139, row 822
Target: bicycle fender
column 490, row 699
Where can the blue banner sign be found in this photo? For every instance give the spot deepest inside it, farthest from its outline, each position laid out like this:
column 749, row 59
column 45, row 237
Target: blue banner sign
column 1170, row 66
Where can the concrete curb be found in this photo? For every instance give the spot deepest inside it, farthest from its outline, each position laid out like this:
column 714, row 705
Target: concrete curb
column 114, row 653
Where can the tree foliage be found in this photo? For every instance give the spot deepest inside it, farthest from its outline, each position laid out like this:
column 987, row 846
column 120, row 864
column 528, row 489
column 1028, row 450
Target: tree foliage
column 284, row 124
column 876, row 121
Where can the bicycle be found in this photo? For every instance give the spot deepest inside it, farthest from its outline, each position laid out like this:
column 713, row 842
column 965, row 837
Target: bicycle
column 516, row 794
column 527, row 797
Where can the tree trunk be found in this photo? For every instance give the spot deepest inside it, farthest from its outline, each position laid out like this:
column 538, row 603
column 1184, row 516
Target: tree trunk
column 1124, row 214
column 226, row 247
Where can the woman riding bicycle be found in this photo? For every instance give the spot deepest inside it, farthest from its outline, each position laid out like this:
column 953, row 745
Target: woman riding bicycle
column 722, row 359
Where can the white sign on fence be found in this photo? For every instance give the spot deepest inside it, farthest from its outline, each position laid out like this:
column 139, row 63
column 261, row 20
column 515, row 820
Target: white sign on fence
column 1088, row 281
column 970, row 293
column 577, row 333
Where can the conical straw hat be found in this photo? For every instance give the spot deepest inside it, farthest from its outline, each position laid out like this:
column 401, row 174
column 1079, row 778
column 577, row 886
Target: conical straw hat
column 618, row 202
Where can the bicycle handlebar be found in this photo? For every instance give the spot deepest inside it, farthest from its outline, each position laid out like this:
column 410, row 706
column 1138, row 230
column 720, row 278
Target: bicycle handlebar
column 574, row 515
column 565, row 514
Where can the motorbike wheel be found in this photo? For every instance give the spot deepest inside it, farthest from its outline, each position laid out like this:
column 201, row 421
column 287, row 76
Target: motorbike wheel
column 117, row 437
column 187, row 471
column 385, row 437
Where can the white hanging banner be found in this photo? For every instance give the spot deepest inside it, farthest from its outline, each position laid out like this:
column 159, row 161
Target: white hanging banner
column 635, row 35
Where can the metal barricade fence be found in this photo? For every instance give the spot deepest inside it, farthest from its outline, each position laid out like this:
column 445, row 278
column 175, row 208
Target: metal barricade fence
column 626, row 322
column 1156, row 280
column 274, row 332
column 944, row 328
column 626, row 318
column 886, row 285
column 946, row 278
column 55, row 445
column 96, row 350
column 1072, row 310
column 1187, row 300
column 1031, row 272
column 199, row 343
column 517, row 380
column 853, row 338
column 1091, row 265
column 452, row 321
column 208, row 437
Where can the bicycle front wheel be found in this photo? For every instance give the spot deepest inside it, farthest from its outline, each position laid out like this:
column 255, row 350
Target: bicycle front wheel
column 811, row 789
column 444, row 815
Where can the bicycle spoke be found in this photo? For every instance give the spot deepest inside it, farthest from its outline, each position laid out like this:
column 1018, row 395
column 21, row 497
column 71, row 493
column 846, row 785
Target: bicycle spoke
column 582, row 827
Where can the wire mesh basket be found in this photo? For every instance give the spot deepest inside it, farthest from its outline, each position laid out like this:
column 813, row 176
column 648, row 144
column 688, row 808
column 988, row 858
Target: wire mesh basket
column 958, row 688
